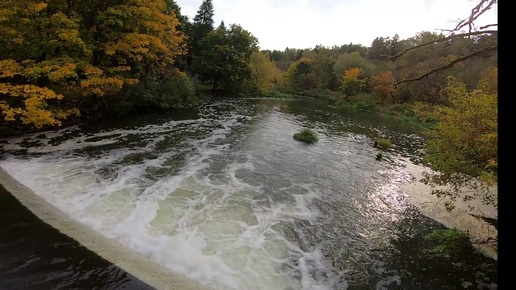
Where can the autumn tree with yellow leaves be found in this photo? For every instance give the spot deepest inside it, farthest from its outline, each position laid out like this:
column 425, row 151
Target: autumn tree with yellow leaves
column 62, row 58
column 463, row 147
column 352, row 84
column 264, row 72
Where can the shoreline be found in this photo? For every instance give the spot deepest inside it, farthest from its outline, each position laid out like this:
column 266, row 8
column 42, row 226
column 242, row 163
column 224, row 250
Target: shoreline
column 476, row 224
column 151, row 273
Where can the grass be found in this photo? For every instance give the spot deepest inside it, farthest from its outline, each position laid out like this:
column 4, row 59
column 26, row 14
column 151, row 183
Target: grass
column 307, row 136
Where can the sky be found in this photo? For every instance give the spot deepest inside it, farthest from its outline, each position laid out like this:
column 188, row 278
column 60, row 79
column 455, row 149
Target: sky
column 301, row 24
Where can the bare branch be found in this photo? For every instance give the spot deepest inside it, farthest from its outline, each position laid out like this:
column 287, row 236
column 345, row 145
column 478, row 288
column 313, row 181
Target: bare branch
column 448, row 65
column 488, row 25
column 478, row 10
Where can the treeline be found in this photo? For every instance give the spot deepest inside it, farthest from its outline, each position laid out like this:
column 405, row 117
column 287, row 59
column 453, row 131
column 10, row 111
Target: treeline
column 64, row 61
column 354, row 69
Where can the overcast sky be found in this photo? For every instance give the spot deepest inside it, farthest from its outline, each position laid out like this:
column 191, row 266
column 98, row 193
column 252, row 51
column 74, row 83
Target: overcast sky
column 306, row 23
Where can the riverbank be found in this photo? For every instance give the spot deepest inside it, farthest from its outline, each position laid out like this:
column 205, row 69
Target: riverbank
column 474, row 222
column 44, row 249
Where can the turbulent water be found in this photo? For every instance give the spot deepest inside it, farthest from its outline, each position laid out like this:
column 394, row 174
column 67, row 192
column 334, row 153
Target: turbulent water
column 223, row 194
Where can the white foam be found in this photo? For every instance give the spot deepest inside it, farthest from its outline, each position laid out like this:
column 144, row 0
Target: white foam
column 209, row 226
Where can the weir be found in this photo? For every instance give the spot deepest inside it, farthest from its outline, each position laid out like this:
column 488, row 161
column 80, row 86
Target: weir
column 150, row 272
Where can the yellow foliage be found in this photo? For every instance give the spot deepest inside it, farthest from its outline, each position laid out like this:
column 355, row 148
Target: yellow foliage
column 101, row 86
column 263, row 70
column 351, row 74
column 45, row 57
column 9, row 68
column 35, row 110
column 351, row 84
column 37, row 7
column 489, row 81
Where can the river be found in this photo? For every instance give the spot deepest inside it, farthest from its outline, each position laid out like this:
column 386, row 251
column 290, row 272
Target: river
column 221, row 194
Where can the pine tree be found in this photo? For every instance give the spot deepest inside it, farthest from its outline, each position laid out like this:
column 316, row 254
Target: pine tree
column 202, row 25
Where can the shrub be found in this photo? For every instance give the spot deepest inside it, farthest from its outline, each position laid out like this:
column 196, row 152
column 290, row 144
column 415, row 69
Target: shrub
column 450, row 243
column 306, row 135
column 384, row 143
column 364, row 106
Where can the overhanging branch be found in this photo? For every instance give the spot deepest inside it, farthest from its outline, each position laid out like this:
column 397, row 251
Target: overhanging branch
column 441, row 40
column 448, row 65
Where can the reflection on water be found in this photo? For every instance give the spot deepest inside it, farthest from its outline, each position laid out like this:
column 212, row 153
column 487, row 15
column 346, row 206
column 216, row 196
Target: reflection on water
column 35, row 256
column 224, row 195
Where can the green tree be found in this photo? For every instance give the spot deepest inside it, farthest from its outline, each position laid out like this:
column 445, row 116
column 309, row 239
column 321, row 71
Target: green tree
column 302, row 75
column 463, row 147
column 225, row 57
column 199, row 29
column 346, row 61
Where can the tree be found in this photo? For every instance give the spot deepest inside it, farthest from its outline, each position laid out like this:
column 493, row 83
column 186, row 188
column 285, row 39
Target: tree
column 40, row 52
column 302, row 75
column 383, row 46
column 463, row 147
column 225, row 56
column 382, row 85
column 201, row 26
column 173, row 8
column 346, row 61
column 59, row 57
column 472, row 32
column 351, row 84
column 263, row 71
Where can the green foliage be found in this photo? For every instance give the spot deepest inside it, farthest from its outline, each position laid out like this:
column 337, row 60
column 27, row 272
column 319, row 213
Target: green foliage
column 176, row 92
column 347, row 61
column 449, row 243
column 301, row 75
column 364, row 106
column 463, row 146
column 379, row 156
column 199, row 29
column 179, row 90
column 384, row 143
column 351, row 82
column 278, row 95
column 225, row 57
column 307, row 136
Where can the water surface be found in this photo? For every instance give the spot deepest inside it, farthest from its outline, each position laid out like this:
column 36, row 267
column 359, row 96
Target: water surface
column 223, row 194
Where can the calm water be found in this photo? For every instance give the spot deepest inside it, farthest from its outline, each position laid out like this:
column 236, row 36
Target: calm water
column 224, row 195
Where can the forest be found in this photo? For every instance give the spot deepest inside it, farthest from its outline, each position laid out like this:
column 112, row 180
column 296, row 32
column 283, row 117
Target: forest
column 64, row 62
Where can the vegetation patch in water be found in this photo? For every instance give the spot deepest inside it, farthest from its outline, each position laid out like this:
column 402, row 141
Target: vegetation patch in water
column 306, row 135
column 383, row 143
column 450, row 243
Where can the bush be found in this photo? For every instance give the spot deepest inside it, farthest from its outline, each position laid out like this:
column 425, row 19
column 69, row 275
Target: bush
column 384, row 143
column 449, row 243
column 179, row 90
column 364, row 106
column 175, row 92
column 306, row 135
